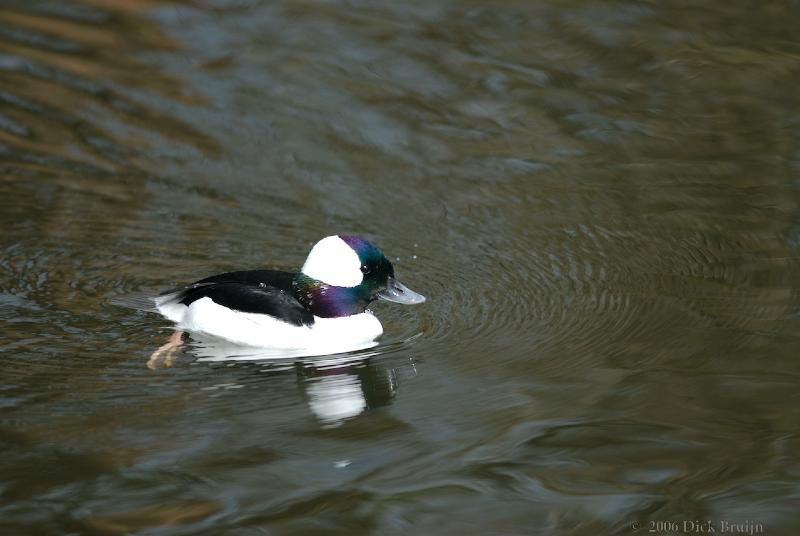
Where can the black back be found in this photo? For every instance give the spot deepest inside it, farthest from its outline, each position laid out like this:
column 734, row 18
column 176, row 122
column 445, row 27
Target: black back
column 267, row 292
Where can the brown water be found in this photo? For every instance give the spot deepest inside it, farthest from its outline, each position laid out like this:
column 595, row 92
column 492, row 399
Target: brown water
column 600, row 200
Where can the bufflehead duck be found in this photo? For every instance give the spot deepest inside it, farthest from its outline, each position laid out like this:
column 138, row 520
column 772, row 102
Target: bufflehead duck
column 321, row 309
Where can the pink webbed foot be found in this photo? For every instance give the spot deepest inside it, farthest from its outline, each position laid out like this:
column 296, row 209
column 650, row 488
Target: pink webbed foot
column 165, row 353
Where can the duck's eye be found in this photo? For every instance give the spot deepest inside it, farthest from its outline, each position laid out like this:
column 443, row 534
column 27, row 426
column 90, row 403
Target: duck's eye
column 365, row 269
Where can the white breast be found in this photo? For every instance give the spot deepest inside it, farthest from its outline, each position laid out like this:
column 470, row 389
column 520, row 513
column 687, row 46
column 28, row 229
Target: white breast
column 325, row 336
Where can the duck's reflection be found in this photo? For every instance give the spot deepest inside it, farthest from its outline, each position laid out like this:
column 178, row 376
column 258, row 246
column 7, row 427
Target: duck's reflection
column 337, row 393
column 337, row 387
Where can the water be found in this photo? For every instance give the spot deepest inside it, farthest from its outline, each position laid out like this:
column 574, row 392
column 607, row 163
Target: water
column 600, row 200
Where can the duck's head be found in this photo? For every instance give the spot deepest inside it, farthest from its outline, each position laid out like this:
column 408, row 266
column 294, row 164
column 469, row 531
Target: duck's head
column 344, row 273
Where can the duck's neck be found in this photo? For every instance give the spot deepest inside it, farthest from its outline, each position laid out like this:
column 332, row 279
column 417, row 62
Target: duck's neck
column 329, row 301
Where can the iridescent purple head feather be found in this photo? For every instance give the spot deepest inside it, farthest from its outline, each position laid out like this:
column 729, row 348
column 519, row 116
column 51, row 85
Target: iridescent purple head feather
column 336, row 283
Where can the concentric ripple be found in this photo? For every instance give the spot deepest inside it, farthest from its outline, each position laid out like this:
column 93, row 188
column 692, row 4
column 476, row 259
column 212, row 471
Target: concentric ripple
column 583, row 289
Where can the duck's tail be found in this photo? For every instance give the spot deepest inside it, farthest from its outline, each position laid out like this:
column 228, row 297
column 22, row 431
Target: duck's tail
column 140, row 302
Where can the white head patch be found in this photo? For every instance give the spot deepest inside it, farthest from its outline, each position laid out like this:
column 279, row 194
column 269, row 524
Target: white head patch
column 333, row 262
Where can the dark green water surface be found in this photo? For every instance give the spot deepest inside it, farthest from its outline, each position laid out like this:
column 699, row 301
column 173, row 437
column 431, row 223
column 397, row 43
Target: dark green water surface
column 601, row 201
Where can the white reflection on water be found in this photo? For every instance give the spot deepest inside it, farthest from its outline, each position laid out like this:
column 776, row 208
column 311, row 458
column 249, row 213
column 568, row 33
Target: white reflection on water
column 336, row 387
column 213, row 349
column 336, row 398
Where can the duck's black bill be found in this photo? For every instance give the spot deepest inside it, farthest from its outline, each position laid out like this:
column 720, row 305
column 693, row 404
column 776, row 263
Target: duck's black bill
column 399, row 293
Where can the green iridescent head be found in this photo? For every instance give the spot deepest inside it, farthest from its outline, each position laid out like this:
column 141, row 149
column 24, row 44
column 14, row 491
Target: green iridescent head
column 343, row 274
